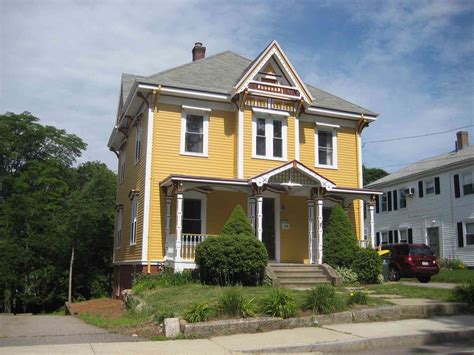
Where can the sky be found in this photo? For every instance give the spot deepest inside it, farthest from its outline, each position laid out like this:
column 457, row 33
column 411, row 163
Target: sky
column 410, row 61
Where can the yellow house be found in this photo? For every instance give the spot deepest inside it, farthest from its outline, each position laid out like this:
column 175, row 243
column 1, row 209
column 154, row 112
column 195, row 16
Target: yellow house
column 196, row 140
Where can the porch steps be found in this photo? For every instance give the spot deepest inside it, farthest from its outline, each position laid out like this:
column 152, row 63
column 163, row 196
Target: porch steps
column 298, row 276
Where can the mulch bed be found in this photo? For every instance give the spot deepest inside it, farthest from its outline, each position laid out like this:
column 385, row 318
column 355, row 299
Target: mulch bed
column 105, row 308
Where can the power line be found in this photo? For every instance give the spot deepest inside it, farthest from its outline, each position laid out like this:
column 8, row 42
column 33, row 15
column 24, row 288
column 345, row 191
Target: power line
column 417, row 136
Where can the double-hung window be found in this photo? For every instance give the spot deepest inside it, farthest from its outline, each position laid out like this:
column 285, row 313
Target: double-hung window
column 122, row 167
column 469, row 233
column 468, row 183
column 133, row 220
column 402, row 200
column 384, row 202
column 384, row 237
column 403, row 235
column 138, row 142
column 119, row 227
column 192, row 216
column 194, row 133
column 429, row 187
column 326, row 148
column 270, row 138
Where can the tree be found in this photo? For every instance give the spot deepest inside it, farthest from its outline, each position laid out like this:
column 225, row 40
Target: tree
column 372, row 174
column 238, row 223
column 339, row 242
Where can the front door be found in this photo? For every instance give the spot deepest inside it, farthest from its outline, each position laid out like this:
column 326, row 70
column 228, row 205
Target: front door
column 432, row 235
column 268, row 226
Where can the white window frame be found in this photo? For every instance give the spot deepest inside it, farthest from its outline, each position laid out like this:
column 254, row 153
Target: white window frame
column 330, row 129
column 119, row 228
column 195, row 195
column 269, row 119
column 400, row 193
column 381, row 202
column 138, row 142
column 464, row 232
column 197, row 111
column 425, row 186
column 133, row 220
column 461, row 181
column 121, row 167
column 382, row 232
column 400, row 230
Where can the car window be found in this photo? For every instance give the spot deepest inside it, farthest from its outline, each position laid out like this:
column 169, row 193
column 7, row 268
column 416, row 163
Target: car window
column 420, row 250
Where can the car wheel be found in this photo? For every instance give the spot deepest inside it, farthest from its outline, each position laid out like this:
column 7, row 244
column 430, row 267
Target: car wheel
column 393, row 274
column 424, row 279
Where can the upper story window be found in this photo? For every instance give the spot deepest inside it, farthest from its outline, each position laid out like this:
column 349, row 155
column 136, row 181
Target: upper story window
column 429, row 187
column 194, row 133
column 138, row 142
column 270, row 138
column 133, row 220
column 326, row 143
column 119, row 227
column 122, row 167
column 402, row 200
column 384, row 204
column 468, row 183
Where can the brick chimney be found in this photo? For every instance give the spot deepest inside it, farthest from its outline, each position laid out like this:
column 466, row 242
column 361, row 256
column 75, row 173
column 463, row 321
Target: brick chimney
column 199, row 52
column 462, row 140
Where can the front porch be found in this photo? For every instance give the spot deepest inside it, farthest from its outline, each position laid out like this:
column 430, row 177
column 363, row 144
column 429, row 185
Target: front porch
column 287, row 208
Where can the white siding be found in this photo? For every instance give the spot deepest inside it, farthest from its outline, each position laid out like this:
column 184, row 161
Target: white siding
column 443, row 211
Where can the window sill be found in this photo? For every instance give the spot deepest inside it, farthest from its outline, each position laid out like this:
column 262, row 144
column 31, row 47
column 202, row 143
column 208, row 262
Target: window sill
column 132, row 245
column 200, row 155
column 261, row 157
column 331, row 167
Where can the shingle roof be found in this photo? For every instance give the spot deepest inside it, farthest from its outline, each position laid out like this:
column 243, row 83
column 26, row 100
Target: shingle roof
column 219, row 73
column 426, row 165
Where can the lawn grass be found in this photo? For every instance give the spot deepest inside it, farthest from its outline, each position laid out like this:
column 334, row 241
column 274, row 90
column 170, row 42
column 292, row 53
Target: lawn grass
column 413, row 291
column 128, row 320
column 454, row 276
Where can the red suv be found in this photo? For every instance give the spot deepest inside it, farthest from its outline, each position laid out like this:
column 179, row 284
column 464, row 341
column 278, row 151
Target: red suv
column 411, row 260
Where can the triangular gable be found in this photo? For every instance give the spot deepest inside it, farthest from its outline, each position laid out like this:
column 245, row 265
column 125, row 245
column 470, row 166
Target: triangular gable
column 274, row 50
column 302, row 175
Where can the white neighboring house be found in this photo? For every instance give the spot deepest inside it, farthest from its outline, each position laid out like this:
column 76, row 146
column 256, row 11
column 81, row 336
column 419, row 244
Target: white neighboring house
column 430, row 202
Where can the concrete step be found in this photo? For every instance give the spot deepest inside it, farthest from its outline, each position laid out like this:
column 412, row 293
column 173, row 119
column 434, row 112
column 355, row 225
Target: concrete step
column 296, row 269
column 299, row 278
column 284, row 273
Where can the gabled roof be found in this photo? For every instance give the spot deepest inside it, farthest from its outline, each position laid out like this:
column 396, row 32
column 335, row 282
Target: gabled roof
column 425, row 166
column 220, row 73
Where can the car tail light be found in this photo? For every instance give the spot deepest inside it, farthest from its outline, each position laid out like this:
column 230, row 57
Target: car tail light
column 409, row 260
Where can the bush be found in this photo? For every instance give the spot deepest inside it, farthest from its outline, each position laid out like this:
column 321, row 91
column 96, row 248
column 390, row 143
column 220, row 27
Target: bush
column 322, row 299
column 238, row 223
column 198, row 312
column 166, row 278
column 340, row 243
column 348, row 275
column 234, row 303
column 367, row 265
column 233, row 258
column 452, row 264
column 160, row 317
column 464, row 293
column 279, row 303
column 358, row 297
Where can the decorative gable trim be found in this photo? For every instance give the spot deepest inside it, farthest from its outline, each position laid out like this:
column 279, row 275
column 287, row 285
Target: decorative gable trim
column 274, row 49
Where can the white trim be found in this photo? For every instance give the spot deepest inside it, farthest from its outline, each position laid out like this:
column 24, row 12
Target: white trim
column 361, row 183
column 138, row 142
column 297, row 138
column 192, row 179
column 461, row 180
column 194, row 108
column 339, row 113
column 259, row 216
column 327, row 125
column 133, row 220
column 272, row 94
column 270, row 112
column 269, row 137
column 119, row 228
column 361, row 192
column 195, row 195
column 464, row 233
column 205, row 129
column 183, row 92
column 334, row 164
column 147, row 197
column 240, row 144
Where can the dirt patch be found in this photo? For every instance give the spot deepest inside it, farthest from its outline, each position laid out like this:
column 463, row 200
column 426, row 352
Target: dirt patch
column 105, row 308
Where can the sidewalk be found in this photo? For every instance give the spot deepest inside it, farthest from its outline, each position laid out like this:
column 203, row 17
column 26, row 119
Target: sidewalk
column 339, row 337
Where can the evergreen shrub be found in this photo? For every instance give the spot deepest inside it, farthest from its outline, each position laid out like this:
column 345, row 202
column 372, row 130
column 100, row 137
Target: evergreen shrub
column 367, row 265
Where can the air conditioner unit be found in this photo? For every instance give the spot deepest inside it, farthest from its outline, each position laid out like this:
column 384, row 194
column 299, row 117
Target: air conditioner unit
column 409, row 191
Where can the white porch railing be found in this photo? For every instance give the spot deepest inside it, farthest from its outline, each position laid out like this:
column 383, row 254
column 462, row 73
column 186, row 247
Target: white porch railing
column 189, row 242
column 364, row 243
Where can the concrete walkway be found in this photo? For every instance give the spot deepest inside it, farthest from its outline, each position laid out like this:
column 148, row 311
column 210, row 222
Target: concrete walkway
column 443, row 285
column 339, row 337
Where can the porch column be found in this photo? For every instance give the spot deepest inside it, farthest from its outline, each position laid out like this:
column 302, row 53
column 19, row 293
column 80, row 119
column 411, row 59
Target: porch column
column 179, row 224
column 310, row 231
column 251, row 211
column 169, row 199
column 259, row 217
column 319, row 228
column 371, row 224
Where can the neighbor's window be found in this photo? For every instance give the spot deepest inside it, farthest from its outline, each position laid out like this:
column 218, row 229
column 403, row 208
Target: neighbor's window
column 403, row 235
column 270, row 138
column 384, row 237
column 429, row 187
column 468, row 183
column 192, row 223
column 402, row 199
column 194, row 138
column 138, row 142
column 326, row 148
column 133, row 221
column 384, row 202
column 470, row 233
column 119, row 227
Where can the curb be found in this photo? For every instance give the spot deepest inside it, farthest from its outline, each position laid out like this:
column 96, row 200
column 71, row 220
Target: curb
column 374, row 343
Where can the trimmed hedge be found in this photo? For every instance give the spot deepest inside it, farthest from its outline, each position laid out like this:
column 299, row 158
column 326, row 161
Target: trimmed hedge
column 368, row 265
